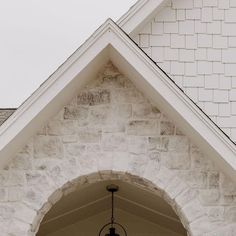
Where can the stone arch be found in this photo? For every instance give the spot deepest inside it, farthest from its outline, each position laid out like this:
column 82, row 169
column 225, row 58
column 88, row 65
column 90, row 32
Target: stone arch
column 176, row 193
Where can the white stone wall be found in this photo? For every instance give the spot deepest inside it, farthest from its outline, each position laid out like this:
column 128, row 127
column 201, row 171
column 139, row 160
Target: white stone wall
column 194, row 41
column 111, row 131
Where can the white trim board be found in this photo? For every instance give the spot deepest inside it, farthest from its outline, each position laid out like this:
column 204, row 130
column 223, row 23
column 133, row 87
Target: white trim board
column 139, row 14
column 109, row 42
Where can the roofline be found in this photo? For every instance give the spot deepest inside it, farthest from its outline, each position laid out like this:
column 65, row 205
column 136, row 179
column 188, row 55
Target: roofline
column 162, row 90
column 138, row 15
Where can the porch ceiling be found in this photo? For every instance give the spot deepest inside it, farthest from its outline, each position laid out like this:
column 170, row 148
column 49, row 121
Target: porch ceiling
column 94, row 199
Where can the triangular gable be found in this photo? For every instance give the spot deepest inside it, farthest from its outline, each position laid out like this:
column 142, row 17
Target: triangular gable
column 139, row 14
column 109, row 42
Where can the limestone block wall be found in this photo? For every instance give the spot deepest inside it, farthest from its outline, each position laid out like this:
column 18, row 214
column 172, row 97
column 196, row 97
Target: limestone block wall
column 194, row 41
column 110, row 130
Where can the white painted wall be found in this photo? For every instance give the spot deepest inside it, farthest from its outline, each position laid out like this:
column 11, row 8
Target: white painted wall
column 194, row 41
column 135, row 226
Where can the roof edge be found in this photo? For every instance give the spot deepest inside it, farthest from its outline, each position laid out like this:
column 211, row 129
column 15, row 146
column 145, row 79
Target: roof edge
column 138, row 15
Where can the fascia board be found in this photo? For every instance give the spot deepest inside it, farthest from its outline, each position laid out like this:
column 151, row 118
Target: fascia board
column 138, row 15
column 47, row 92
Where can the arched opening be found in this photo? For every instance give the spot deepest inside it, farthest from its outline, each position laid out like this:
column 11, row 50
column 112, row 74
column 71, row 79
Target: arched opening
column 83, row 211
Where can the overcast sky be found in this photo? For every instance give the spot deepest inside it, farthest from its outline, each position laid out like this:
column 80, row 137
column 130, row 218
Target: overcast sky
column 36, row 36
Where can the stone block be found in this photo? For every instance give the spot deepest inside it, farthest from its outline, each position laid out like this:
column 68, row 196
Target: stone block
column 47, row 147
column 179, row 144
column 195, row 178
column 145, row 110
column 175, row 187
column 138, row 164
column 123, row 111
column 114, row 142
column 127, row 96
column 137, row 145
column 143, row 127
column 75, row 149
column 167, row 128
column 176, row 160
column 3, row 194
column 76, row 113
column 58, row 128
column 186, row 196
column 99, row 115
column 158, row 143
column 209, row 197
column 193, row 210
column 94, row 97
column 216, row 213
column 89, row 135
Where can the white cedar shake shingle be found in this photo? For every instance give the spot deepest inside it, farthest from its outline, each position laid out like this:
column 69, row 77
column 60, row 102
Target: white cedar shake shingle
column 186, row 27
column 232, row 3
column 182, row 4
column 223, row 4
column 191, row 69
column 224, row 109
column 230, row 69
column 211, row 108
column 186, row 55
column 228, row 55
column 177, row 41
column 233, row 108
column 227, row 29
column 204, row 40
column 177, row 68
column 212, row 81
column 207, row 14
column 157, row 27
column 220, row 42
column 204, row 68
column 230, row 15
column 221, row 96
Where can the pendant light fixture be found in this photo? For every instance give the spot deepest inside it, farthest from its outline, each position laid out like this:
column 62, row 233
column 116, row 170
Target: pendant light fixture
column 112, row 230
